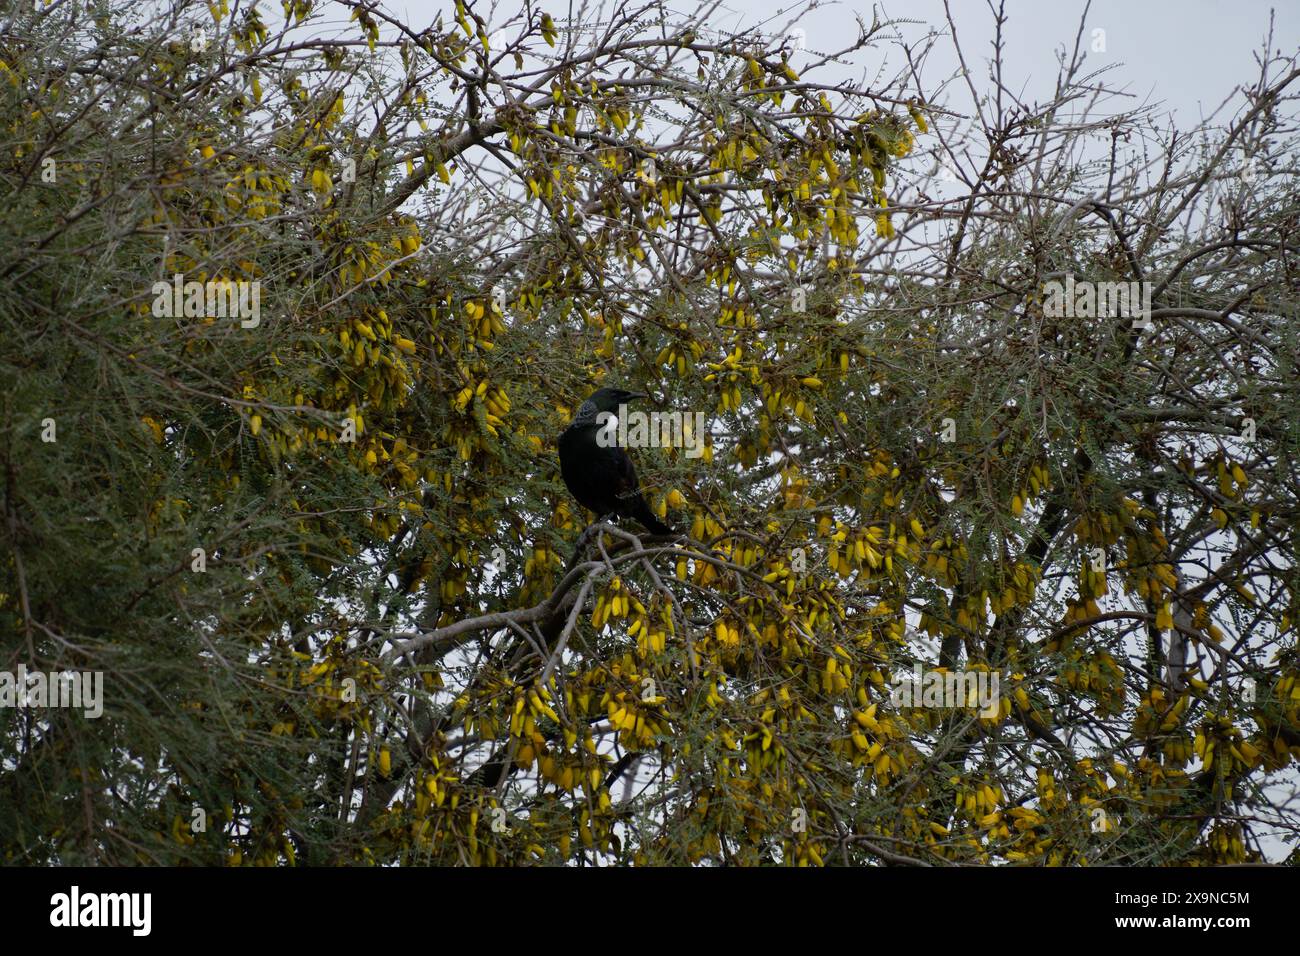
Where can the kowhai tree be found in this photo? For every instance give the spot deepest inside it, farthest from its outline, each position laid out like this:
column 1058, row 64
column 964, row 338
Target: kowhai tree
column 346, row 611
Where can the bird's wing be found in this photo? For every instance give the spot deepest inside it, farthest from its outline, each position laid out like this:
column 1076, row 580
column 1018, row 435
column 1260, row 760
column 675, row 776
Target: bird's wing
column 625, row 483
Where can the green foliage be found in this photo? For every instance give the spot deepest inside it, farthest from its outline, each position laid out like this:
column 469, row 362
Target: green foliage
column 388, row 647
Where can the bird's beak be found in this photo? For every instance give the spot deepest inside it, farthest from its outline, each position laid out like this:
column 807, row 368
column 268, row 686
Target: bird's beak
column 632, row 396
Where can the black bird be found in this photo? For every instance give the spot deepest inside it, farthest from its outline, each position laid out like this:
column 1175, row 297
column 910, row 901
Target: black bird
column 602, row 477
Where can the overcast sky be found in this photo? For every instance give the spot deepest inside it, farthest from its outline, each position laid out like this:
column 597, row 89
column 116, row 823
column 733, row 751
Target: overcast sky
column 1187, row 54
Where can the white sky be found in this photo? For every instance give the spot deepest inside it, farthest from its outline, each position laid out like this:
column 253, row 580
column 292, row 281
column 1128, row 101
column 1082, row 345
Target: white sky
column 1187, row 54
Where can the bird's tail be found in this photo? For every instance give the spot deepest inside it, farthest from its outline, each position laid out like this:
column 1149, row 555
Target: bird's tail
column 642, row 513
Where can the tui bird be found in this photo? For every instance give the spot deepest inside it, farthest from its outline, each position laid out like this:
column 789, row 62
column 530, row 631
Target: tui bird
column 602, row 478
